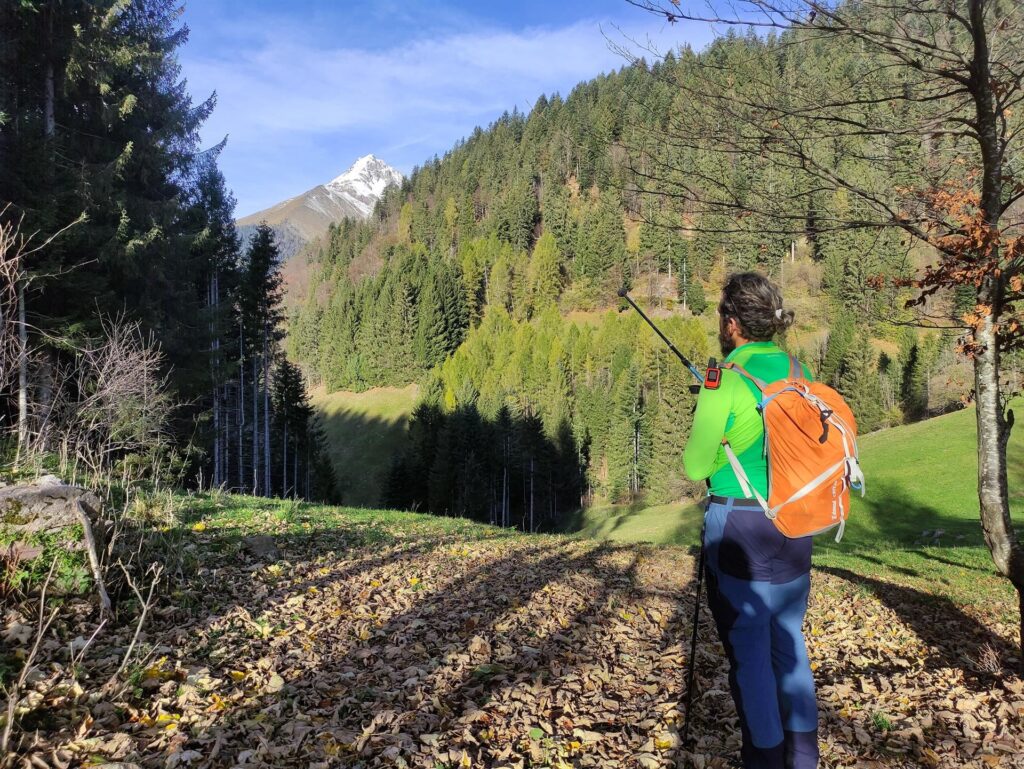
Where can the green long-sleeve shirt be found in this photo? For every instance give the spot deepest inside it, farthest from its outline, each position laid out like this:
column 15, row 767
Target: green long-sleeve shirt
column 730, row 411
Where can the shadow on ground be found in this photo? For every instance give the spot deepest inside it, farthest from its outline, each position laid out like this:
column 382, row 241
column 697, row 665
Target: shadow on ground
column 372, row 640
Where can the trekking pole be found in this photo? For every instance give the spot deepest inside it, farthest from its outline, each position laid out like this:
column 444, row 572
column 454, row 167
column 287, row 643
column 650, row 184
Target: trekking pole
column 685, row 361
column 693, row 640
column 700, row 558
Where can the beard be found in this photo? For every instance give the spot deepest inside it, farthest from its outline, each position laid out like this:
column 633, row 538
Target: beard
column 725, row 341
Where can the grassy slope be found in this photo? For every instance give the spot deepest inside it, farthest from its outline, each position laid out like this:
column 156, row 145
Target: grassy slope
column 364, row 431
column 919, row 518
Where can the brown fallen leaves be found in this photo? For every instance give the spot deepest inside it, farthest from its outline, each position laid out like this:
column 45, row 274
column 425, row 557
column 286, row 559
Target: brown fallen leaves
column 519, row 652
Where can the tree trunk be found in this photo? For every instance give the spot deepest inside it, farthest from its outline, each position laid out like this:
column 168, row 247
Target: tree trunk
column 993, row 426
column 22, row 374
column 212, row 303
column 255, row 429
column 241, row 407
column 284, row 463
column 993, row 495
column 266, row 416
column 531, row 495
column 49, row 122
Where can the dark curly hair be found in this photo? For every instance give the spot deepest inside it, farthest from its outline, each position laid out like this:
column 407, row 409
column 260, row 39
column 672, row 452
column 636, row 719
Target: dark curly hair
column 756, row 304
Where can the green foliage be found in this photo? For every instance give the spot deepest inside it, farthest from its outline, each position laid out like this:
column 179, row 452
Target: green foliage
column 860, row 385
column 695, row 298
column 671, row 428
column 628, row 437
column 531, row 414
column 516, row 215
column 545, row 274
column 840, row 338
column 601, row 243
column 62, row 550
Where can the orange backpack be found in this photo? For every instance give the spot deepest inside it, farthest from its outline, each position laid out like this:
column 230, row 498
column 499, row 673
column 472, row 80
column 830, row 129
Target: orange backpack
column 810, row 441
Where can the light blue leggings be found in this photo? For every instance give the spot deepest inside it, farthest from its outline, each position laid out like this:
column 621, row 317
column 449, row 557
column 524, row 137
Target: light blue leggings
column 758, row 581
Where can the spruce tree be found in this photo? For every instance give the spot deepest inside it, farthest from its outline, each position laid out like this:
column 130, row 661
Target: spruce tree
column 671, row 428
column 545, row 274
column 860, row 385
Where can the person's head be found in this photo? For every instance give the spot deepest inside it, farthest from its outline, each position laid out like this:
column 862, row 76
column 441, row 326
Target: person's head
column 750, row 310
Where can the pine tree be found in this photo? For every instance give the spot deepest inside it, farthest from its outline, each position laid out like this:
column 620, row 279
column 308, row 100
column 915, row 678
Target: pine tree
column 671, row 428
column 216, row 252
column 544, row 275
column 517, row 215
column 601, row 244
column 628, row 449
column 860, row 385
column 840, row 338
column 260, row 309
column 695, row 299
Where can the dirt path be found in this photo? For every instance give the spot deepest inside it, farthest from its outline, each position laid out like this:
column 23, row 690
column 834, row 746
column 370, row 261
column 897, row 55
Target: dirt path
column 510, row 652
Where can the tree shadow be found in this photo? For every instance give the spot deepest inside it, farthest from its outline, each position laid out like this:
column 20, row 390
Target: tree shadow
column 509, row 470
column 528, row 635
column 1015, row 465
column 361, row 449
column 903, row 519
column 954, row 638
column 931, row 556
column 441, row 663
column 405, row 638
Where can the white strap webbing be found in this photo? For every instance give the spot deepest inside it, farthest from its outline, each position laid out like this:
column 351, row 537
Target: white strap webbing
column 741, row 475
column 811, row 485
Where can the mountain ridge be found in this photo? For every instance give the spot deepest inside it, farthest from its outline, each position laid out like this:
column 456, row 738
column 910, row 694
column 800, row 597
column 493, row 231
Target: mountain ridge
column 302, row 218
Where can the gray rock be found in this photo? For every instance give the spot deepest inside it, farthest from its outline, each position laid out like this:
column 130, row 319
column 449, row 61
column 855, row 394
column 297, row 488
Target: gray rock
column 262, row 547
column 46, row 505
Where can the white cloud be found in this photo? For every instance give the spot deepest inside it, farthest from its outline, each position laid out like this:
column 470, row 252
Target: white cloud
column 278, row 95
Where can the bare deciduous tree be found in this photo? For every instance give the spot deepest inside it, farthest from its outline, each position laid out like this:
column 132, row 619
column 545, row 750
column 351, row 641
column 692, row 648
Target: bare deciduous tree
column 109, row 419
column 10, row 272
column 15, row 250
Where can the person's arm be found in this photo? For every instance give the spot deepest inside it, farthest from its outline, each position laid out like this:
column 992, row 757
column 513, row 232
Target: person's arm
column 707, row 431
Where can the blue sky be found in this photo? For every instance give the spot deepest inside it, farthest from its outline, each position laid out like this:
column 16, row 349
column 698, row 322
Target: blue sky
column 304, row 87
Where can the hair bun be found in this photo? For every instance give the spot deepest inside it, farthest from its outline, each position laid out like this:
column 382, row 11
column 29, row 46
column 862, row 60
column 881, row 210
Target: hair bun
column 784, row 319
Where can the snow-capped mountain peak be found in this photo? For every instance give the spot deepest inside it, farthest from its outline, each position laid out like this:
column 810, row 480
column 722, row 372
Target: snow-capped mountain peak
column 300, row 219
column 366, row 178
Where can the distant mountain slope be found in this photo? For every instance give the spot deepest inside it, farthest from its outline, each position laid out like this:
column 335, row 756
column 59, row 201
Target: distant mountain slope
column 299, row 220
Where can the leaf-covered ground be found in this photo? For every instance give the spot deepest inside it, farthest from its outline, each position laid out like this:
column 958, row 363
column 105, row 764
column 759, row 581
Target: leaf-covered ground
column 403, row 641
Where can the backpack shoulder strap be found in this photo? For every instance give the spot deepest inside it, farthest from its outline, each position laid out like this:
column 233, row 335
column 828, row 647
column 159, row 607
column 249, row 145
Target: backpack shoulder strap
column 760, row 384
column 796, row 371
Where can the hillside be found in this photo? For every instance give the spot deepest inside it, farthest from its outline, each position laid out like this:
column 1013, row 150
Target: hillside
column 376, row 639
column 473, row 274
column 303, row 218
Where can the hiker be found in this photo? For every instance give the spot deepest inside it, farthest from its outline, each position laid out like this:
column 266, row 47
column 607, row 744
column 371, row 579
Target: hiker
column 758, row 579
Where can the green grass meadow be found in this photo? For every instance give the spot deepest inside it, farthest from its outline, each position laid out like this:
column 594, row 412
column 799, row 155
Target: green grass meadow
column 364, row 431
